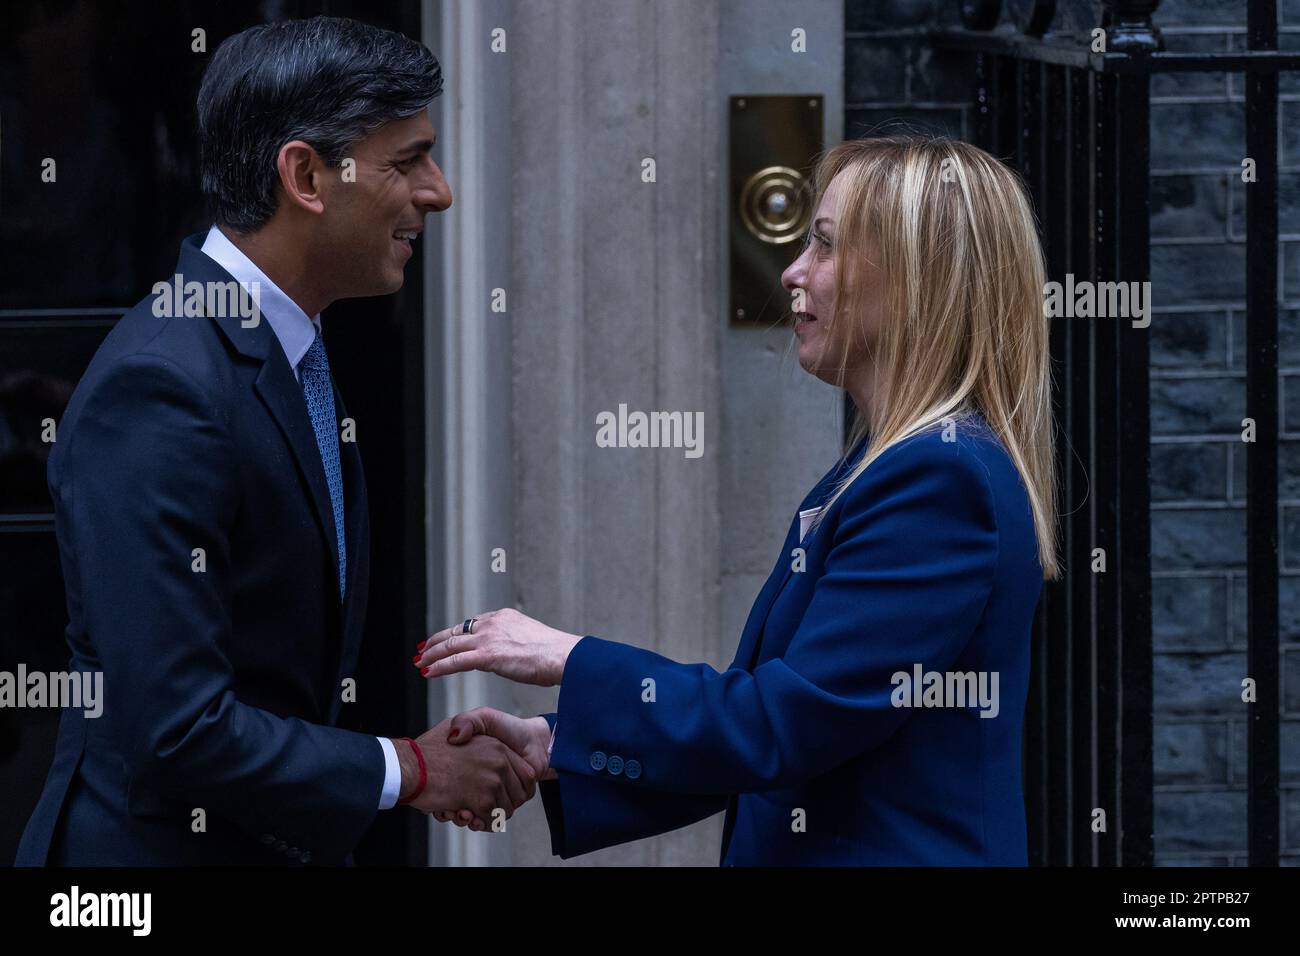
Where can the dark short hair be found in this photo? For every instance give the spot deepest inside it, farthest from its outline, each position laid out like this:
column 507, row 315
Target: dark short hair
column 327, row 81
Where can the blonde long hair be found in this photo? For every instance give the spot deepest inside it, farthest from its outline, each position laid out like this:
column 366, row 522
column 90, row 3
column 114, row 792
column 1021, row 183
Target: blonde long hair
column 964, row 327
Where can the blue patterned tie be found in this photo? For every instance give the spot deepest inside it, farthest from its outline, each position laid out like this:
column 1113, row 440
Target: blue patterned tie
column 314, row 369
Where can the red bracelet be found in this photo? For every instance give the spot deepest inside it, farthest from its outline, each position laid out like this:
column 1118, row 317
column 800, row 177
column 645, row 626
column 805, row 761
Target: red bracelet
column 424, row 776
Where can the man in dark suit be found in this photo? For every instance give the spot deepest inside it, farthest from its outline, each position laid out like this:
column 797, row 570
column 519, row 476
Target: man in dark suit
column 212, row 526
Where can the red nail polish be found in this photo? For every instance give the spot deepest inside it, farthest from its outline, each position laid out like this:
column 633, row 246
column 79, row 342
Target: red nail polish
column 415, row 658
column 420, row 646
column 424, row 672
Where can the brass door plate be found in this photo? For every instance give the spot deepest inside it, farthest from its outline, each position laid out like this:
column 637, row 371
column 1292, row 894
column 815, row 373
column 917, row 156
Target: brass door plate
column 774, row 142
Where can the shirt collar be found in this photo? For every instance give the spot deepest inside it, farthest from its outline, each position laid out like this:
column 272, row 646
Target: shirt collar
column 294, row 330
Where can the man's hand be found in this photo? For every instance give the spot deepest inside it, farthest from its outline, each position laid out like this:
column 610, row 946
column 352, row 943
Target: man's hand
column 528, row 737
column 481, row 774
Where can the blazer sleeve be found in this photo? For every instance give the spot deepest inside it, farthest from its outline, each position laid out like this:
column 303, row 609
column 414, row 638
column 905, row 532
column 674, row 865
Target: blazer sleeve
column 149, row 475
column 909, row 571
column 586, row 814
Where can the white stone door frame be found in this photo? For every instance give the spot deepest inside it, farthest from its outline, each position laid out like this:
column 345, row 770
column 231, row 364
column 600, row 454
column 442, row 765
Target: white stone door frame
column 458, row 380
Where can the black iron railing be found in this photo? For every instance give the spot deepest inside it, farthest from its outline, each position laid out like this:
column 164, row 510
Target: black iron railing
column 1074, row 121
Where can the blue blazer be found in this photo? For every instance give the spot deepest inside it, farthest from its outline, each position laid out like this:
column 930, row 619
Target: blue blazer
column 221, row 687
column 929, row 560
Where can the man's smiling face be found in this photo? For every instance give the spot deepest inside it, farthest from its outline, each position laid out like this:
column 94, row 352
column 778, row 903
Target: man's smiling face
column 397, row 183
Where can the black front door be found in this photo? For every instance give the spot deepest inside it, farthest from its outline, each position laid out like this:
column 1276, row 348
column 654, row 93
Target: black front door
column 98, row 185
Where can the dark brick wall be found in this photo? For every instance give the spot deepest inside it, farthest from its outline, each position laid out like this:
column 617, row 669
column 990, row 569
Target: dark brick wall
column 1198, row 275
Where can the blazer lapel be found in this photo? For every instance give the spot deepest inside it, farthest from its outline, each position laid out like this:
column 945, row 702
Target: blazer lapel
column 283, row 397
column 751, row 640
column 275, row 386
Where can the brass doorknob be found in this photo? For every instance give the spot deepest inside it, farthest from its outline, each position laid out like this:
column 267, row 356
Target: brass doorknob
column 775, row 204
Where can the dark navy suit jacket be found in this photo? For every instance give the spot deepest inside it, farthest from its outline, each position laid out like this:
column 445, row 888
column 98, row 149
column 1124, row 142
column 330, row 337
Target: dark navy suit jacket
column 929, row 558
column 221, row 686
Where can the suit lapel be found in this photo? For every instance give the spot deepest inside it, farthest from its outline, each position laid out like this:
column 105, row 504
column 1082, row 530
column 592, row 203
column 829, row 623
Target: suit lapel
column 282, row 395
column 275, row 386
column 751, row 640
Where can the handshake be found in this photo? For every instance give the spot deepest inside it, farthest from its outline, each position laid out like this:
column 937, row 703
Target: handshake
column 475, row 769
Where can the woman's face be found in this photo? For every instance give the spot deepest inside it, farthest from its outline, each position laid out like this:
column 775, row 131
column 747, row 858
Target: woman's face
column 811, row 278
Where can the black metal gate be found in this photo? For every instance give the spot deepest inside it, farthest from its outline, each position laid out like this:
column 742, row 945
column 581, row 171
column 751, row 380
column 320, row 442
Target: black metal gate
column 1075, row 122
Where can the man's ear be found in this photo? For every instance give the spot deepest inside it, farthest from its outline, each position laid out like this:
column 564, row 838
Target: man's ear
column 301, row 175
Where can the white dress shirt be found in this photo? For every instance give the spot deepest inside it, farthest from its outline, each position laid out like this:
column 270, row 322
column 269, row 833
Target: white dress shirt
column 805, row 521
column 295, row 332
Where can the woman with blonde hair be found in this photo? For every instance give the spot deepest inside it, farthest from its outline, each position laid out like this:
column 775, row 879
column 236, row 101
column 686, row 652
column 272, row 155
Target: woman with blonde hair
column 873, row 712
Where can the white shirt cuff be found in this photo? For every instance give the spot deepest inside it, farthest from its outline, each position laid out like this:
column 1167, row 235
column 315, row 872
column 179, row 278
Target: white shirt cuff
column 392, row 775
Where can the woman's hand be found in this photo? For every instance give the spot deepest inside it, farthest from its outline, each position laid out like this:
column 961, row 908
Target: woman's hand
column 503, row 642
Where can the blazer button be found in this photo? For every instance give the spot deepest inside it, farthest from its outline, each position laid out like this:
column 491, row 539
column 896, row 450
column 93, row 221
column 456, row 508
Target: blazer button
column 598, row 760
column 632, row 769
column 616, row 765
